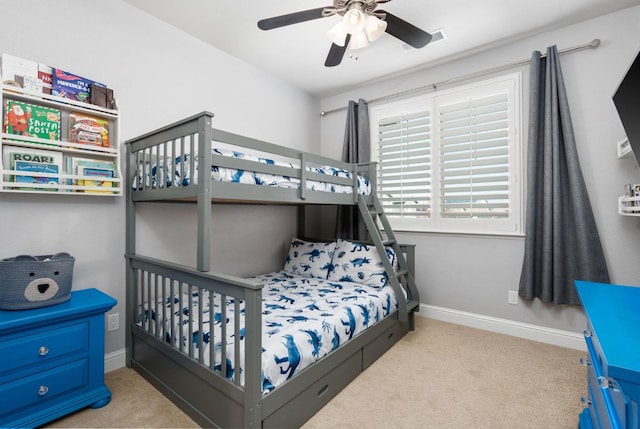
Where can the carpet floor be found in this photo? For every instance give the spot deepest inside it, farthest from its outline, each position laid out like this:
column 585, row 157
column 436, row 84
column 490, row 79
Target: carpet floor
column 440, row 376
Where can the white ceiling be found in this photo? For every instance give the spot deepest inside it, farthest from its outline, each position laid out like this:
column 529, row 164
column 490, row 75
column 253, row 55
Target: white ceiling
column 297, row 53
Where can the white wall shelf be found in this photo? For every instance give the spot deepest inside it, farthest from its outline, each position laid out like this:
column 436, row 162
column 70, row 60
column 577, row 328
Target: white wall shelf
column 629, row 206
column 69, row 178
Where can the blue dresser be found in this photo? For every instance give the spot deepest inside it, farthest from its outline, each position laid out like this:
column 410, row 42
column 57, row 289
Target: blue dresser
column 613, row 343
column 52, row 359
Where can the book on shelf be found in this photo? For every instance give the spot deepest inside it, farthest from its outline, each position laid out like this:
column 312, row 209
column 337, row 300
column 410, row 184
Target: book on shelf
column 29, row 75
column 31, row 120
column 96, row 174
column 34, row 168
column 70, row 86
column 101, row 96
column 16, row 70
column 44, row 74
column 88, row 130
column 33, row 161
column 92, row 168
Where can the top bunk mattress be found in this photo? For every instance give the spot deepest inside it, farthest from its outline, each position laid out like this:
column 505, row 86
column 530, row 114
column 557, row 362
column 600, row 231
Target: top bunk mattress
column 182, row 170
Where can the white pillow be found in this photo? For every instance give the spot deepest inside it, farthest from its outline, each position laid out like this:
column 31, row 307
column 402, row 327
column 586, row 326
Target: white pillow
column 359, row 263
column 309, row 259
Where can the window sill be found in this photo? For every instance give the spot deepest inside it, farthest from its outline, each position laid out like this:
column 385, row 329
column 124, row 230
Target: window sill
column 505, row 235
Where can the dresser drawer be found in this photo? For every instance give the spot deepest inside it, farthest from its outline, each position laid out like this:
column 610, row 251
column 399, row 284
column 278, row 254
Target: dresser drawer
column 609, row 404
column 43, row 386
column 585, row 420
column 598, row 407
column 621, row 403
column 43, row 346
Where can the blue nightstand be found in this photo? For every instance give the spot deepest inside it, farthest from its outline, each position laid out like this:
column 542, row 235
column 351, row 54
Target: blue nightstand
column 52, row 360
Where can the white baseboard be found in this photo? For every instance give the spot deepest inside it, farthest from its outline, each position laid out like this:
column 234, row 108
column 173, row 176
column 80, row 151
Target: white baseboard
column 115, row 360
column 556, row 337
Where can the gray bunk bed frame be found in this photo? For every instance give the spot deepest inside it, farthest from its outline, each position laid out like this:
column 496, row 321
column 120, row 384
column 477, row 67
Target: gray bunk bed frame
column 205, row 393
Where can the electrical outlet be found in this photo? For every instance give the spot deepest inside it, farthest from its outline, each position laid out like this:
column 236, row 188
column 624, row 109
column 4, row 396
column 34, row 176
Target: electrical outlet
column 113, row 322
column 512, row 297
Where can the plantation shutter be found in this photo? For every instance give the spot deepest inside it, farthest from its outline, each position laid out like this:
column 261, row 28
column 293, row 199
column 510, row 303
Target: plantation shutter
column 404, row 164
column 474, row 158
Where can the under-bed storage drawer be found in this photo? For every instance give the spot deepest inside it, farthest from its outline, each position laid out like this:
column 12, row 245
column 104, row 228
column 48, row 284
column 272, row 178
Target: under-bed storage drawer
column 297, row 411
column 375, row 349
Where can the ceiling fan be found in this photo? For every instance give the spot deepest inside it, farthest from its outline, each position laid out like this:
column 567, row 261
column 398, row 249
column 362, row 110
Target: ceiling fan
column 361, row 23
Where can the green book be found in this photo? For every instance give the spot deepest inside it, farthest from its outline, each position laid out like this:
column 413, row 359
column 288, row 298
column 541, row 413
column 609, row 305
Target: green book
column 32, row 120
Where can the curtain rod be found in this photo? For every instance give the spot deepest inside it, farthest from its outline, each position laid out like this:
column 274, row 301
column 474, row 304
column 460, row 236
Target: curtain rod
column 593, row 44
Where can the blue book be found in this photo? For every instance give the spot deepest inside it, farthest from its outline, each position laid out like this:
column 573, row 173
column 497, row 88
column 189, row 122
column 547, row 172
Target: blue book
column 36, row 167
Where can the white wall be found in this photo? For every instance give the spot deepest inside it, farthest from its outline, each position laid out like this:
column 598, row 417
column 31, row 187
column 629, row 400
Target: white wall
column 159, row 75
column 473, row 274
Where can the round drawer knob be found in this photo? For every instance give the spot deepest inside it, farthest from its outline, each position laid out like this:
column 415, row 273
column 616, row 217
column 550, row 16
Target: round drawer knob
column 43, row 390
column 43, row 351
column 604, row 382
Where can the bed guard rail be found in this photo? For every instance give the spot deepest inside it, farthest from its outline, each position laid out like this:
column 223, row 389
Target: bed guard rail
column 162, row 296
column 194, row 135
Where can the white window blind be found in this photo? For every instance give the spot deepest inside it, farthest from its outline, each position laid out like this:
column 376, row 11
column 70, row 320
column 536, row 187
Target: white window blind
column 474, row 158
column 450, row 161
column 404, row 164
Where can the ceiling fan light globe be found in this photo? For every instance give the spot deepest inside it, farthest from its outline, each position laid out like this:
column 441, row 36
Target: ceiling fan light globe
column 374, row 27
column 354, row 21
column 359, row 41
column 337, row 34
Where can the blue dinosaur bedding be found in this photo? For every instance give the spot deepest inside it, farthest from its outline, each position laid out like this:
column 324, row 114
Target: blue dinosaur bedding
column 178, row 173
column 304, row 319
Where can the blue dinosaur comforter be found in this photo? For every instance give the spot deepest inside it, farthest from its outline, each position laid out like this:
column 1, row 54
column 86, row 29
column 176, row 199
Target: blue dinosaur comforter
column 304, row 319
column 178, row 173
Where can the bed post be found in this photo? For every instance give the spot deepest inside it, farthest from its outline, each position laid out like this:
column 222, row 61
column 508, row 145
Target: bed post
column 130, row 249
column 303, row 175
column 204, row 192
column 253, row 360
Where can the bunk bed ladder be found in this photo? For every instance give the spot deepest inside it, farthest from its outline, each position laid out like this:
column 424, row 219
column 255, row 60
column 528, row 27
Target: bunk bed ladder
column 382, row 235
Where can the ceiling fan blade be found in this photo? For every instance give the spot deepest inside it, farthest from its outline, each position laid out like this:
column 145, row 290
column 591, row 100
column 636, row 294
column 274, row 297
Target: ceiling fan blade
column 336, row 52
column 408, row 33
column 291, row 18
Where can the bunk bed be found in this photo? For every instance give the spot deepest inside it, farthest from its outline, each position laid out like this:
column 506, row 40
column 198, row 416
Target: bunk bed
column 208, row 340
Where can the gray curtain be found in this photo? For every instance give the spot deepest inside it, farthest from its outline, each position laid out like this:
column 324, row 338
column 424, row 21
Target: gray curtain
column 356, row 149
column 562, row 242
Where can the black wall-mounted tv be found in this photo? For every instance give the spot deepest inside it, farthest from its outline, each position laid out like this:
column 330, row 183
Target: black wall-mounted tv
column 627, row 102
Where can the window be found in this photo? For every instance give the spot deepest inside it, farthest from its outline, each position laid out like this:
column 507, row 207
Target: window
column 450, row 161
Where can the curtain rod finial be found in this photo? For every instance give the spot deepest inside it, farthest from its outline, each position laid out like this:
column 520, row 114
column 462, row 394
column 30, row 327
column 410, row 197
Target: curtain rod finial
column 595, row 43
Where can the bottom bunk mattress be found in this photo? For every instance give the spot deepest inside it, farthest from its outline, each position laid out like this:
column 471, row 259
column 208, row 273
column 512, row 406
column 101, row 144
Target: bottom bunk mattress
column 303, row 320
